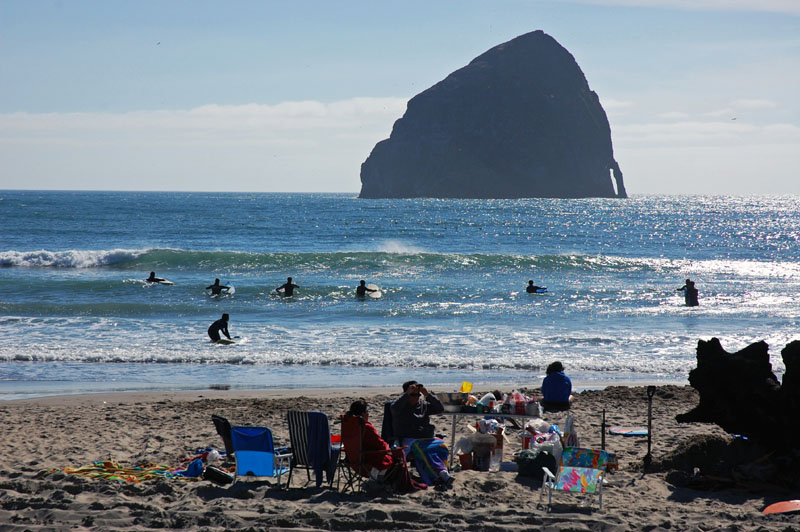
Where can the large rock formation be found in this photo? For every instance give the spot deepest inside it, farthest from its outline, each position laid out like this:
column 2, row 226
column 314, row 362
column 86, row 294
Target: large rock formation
column 518, row 121
column 740, row 393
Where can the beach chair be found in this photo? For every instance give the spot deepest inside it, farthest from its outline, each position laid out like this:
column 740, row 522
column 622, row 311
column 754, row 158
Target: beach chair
column 310, row 436
column 224, row 430
column 580, row 471
column 255, row 454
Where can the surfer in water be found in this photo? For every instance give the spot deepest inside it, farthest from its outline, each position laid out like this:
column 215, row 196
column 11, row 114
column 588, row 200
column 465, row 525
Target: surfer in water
column 154, row 279
column 689, row 293
column 288, row 288
column 216, row 288
column 532, row 288
column 219, row 326
column 361, row 289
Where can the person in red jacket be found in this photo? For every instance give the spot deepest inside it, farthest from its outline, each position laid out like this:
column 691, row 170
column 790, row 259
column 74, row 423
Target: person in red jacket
column 358, row 435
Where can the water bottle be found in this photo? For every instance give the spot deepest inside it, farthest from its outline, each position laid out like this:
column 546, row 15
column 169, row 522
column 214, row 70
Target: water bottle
column 496, row 459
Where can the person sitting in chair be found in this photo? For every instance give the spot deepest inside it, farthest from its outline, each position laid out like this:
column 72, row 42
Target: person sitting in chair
column 556, row 388
column 411, row 422
column 369, row 455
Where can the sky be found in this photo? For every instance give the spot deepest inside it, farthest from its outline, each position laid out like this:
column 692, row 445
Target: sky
column 291, row 96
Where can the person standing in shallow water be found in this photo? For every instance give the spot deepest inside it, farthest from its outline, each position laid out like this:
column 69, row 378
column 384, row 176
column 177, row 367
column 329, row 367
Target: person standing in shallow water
column 216, row 288
column 219, row 326
column 288, row 287
column 361, row 289
column 689, row 293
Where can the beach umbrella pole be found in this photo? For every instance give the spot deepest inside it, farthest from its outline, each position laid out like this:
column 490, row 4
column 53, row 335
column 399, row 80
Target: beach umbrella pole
column 648, row 458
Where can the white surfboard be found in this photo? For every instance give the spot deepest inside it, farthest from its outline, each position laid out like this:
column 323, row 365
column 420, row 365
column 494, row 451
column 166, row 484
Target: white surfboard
column 225, row 341
column 376, row 294
column 163, row 281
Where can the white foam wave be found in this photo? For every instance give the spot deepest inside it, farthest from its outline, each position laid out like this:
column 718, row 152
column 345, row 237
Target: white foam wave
column 73, row 258
column 398, row 247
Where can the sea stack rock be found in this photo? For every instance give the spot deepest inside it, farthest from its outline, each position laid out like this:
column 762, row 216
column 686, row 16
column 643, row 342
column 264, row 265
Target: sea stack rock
column 519, row 121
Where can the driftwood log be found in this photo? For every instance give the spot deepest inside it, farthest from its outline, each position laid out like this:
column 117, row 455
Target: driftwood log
column 740, row 393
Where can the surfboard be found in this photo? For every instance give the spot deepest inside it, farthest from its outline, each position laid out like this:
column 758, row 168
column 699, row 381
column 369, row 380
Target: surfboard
column 164, row 282
column 628, row 431
column 225, row 341
column 376, row 294
column 782, row 507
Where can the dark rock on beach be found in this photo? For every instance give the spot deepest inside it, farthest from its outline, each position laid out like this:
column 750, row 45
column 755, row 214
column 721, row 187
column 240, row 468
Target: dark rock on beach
column 740, row 393
column 518, row 121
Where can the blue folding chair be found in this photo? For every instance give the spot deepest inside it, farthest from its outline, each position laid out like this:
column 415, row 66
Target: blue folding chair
column 255, row 454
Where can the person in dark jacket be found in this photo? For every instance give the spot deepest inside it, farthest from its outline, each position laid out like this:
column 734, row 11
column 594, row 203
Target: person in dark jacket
column 411, row 412
column 411, row 422
column 556, row 388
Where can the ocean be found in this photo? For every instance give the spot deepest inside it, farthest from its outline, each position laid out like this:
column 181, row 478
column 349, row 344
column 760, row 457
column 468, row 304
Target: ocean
column 76, row 316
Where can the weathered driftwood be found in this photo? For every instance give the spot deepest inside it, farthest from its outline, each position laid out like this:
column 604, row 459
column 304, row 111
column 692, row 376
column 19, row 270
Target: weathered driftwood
column 740, row 393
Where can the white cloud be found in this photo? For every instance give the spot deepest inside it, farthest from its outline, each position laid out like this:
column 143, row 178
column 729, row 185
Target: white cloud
column 776, row 6
column 753, row 105
column 716, row 157
column 320, row 146
column 725, row 111
column 674, row 115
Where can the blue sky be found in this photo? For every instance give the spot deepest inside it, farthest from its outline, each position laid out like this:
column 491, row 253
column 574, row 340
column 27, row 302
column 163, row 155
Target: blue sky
column 292, row 96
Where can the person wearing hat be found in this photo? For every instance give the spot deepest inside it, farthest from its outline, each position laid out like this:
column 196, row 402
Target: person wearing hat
column 221, row 325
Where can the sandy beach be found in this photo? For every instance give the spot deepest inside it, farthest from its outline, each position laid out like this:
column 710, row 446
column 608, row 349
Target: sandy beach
column 42, row 436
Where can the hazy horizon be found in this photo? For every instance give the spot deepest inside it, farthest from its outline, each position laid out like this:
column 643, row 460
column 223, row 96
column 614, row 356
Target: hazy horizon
column 292, row 97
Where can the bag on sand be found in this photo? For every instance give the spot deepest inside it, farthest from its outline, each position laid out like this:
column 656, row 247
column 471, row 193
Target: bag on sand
column 530, row 463
column 570, row 438
column 217, row 475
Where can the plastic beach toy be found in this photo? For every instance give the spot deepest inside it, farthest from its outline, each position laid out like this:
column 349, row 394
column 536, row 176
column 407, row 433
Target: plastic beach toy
column 466, row 387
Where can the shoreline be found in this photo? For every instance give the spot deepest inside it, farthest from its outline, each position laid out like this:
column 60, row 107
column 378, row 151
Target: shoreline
column 232, row 392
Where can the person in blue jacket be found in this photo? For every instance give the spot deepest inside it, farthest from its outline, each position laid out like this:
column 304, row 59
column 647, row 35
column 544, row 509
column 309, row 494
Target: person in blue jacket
column 556, row 388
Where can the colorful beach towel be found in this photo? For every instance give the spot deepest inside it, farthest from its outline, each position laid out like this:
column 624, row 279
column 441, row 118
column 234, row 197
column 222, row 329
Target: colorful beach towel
column 109, row 470
column 430, row 457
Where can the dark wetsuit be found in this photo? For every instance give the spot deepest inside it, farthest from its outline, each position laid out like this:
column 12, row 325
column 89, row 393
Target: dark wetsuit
column 531, row 289
column 216, row 289
column 361, row 291
column 218, row 326
column 689, row 294
column 288, row 288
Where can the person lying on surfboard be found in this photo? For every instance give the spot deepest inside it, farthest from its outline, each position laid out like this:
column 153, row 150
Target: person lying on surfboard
column 288, row 287
column 154, row 279
column 361, row 289
column 216, row 288
column 219, row 326
column 532, row 288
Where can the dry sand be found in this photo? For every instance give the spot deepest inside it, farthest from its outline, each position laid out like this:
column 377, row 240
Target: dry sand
column 52, row 433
